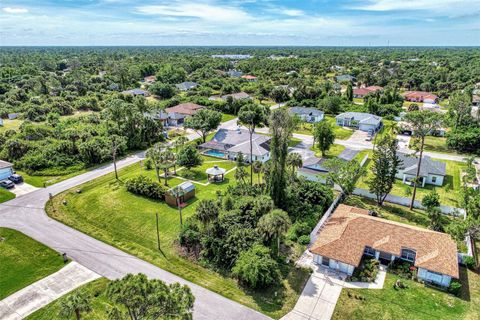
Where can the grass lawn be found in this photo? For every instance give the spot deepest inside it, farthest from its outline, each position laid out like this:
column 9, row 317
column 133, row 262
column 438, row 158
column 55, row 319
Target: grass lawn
column 340, row 132
column 334, row 151
column 106, row 211
column 449, row 192
column 42, row 181
column 6, row 195
column 99, row 303
column 24, row 261
column 227, row 117
column 416, row 302
column 198, row 173
column 10, row 125
column 436, row 144
column 358, row 101
column 386, row 130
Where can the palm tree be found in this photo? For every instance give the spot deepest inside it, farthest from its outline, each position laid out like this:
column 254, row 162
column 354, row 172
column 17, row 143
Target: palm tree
column 206, row 211
column 257, row 168
column 266, row 171
column 167, row 160
column 274, row 225
column 75, row 303
column 154, row 154
column 179, row 142
column 240, row 174
column 294, row 160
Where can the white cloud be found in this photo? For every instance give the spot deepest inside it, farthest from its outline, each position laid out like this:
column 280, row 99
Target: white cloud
column 286, row 11
column 204, row 11
column 15, row 10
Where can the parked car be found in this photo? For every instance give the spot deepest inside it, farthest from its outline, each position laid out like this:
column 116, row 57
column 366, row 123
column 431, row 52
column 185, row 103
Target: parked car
column 16, row 178
column 7, row 184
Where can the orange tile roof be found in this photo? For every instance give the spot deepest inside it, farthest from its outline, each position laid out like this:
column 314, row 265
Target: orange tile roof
column 349, row 230
column 185, row 108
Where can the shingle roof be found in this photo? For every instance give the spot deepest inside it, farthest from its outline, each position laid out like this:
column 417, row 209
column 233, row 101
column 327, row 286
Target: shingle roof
column 428, row 166
column 135, row 92
column 187, row 85
column 184, row 108
column 362, row 118
column 239, row 141
column 349, row 230
column 5, row 164
column 306, row 111
column 237, row 96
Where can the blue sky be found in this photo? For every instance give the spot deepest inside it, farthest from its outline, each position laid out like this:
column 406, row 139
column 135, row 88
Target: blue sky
column 248, row 22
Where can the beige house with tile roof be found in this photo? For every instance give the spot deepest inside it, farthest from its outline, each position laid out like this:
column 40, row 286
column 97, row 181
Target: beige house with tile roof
column 350, row 233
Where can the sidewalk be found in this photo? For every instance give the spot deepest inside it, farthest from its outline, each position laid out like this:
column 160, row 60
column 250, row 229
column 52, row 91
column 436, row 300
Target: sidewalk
column 37, row 295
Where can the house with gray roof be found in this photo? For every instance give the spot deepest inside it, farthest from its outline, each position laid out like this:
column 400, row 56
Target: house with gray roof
column 311, row 115
column 229, row 144
column 136, row 92
column 345, row 78
column 359, row 120
column 431, row 171
column 187, row 85
column 237, row 96
column 6, row 169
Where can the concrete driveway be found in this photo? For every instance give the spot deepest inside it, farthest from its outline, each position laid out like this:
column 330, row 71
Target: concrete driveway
column 22, row 188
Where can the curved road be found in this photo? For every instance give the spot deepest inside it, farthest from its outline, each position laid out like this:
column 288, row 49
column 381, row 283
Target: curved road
column 27, row 214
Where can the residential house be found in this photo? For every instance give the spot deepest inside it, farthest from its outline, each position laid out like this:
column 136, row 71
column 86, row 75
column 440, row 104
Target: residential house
column 352, row 233
column 187, row 85
column 431, row 171
column 475, row 100
column 345, row 78
column 362, row 92
column 431, row 106
column 137, row 92
column 232, row 56
column 229, row 143
column 311, row 115
column 234, row 73
column 419, row 96
column 178, row 113
column 406, row 128
column 249, row 78
column 13, row 116
column 313, row 169
column 236, row 96
column 150, row 79
column 363, row 121
column 6, row 169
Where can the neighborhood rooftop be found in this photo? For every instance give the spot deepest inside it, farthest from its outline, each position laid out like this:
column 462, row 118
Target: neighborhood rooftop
column 238, row 141
column 306, row 111
column 362, row 118
column 350, row 230
column 409, row 165
column 5, row 164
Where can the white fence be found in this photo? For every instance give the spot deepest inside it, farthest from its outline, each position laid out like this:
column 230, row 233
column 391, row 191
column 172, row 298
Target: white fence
column 326, row 215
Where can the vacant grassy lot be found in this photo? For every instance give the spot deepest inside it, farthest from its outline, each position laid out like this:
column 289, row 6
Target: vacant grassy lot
column 416, row 302
column 334, row 151
column 99, row 303
column 449, row 192
column 436, row 144
column 10, row 125
column 24, row 261
column 340, row 132
column 6, row 195
column 106, row 211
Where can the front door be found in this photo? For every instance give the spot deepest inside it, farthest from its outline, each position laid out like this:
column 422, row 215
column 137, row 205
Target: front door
column 385, row 257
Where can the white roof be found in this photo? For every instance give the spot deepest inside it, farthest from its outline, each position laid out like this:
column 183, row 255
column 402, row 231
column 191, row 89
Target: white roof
column 215, row 171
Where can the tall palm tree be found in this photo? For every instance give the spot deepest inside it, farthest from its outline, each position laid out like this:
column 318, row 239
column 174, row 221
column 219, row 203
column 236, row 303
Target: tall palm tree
column 257, row 168
column 154, row 154
column 240, row 174
column 274, row 225
column 179, row 142
column 75, row 303
column 206, row 211
column 294, row 161
column 167, row 160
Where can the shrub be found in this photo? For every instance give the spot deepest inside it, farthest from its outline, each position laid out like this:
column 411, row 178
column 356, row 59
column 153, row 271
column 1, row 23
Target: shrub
column 455, row 288
column 256, row 268
column 148, row 164
column 304, row 240
column 297, row 230
column 146, row 187
column 469, row 262
column 402, row 268
column 367, row 271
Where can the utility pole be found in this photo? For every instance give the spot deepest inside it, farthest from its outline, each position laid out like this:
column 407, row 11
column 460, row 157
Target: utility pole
column 158, row 234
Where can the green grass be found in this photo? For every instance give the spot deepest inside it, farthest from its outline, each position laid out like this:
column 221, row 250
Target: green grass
column 449, row 196
column 340, row 132
column 24, row 261
column 387, row 129
column 358, row 101
column 6, row 195
column 293, row 142
column 198, row 174
column 227, row 117
column 416, row 302
column 10, row 125
column 106, row 211
column 436, row 144
column 99, row 303
column 334, row 151
column 48, row 180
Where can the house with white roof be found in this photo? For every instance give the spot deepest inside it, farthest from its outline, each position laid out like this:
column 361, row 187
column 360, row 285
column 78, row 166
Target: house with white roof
column 359, row 120
column 311, row 115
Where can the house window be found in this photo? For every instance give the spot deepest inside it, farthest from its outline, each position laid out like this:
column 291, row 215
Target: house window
column 434, row 179
column 325, row 261
column 369, row 251
column 408, row 255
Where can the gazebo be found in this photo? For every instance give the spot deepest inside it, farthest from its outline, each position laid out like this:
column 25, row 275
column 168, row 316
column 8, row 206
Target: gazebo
column 215, row 174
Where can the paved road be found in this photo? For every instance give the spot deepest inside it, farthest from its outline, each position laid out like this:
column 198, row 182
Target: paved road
column 37, row 295
column 26, row 214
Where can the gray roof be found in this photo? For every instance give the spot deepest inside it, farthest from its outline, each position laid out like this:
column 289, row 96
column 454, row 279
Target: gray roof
column 306, row 111
column 428, row 166
column 239, row 141
column 135, row 92
column 5, row 164
column 237, row 96
column 234, row 73
column 344, row 77
column 362, row 118
column 186, row 186
column 348, row 154
column 187, row 85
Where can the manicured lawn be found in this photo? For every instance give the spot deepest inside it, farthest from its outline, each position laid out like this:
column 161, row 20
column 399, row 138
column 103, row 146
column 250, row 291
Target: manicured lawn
column 436, row 144
column 10, row 125
column 293, row 142
column 416, row 302
column 449, row 192
column 340, row 132
column 6, row 195
column 45, row 181
column 24, row 261
column 334, row 151
column 99, row 303
column 198, row 173
column 227, row 117
column 106, row 211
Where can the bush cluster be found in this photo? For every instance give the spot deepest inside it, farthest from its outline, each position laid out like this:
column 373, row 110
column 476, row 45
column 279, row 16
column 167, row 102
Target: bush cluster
column 146, row 187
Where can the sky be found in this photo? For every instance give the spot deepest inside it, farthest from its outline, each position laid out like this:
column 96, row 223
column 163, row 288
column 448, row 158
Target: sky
column 240, row 23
